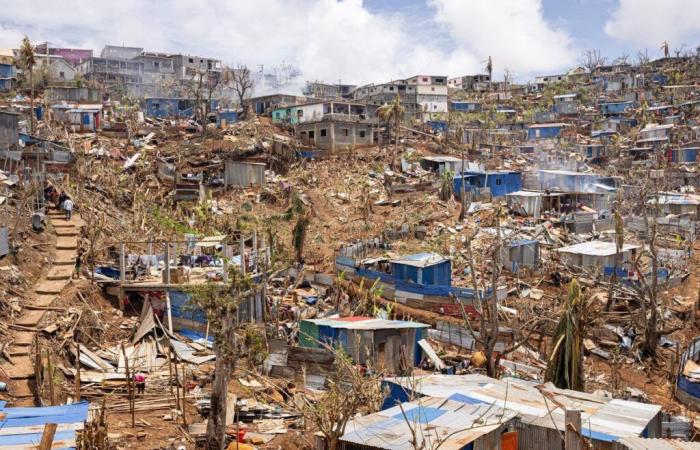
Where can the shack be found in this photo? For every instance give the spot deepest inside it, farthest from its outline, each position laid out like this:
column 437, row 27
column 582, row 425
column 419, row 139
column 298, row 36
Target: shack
column 455, row 425
column 688, row 378
column 442, row 164
column 534, row 203
column 685, row 155
column 539, row 420
column 85, row 118
column 244, row 173
column 521, row 253
column 544, row 130
column 386, row 345
column 428, row 269
column 599, row 254
column 615, row 108
column 9, row 130
column 498, row 183
column 225, row 117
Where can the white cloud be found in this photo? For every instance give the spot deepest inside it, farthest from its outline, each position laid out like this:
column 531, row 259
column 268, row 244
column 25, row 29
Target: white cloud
column 327, row 39
column 513, row 32
column 651, row 22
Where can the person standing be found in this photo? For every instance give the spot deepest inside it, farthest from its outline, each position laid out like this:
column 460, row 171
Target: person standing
column 68, row 207
column 140, row 382
column 78, row 263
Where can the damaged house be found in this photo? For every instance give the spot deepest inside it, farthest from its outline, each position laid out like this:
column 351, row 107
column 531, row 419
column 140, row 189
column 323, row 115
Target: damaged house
column 600, row 255
column 385, row 345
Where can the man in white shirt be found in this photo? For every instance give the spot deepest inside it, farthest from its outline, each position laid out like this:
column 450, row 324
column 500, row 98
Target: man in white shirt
column 68, row 207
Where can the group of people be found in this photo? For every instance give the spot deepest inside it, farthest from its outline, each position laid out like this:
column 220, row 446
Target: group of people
column 60, row 200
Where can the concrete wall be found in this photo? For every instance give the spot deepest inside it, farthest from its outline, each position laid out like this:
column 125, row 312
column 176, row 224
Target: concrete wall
column 335, row 135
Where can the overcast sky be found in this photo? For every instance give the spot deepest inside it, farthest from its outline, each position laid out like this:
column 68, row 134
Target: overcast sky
column 366, row 41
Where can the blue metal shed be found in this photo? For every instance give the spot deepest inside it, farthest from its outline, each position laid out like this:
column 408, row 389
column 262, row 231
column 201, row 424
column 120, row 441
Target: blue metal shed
column 544, row 130
column 611, row 108
column 464, row 106
column 500, row 183
column 428, row 269
column 227, row 115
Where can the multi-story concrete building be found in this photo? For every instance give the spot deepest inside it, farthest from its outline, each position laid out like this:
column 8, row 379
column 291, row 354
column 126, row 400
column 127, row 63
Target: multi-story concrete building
column 423, row 96
column 478, row 82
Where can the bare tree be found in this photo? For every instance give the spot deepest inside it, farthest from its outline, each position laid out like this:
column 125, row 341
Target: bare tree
column 643, row 58
column 592, row 59
column 220, row 304
column 489, row 319
column 348, row 392
column 242, row 85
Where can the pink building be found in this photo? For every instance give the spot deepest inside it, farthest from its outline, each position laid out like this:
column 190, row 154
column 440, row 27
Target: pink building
column 73, row 55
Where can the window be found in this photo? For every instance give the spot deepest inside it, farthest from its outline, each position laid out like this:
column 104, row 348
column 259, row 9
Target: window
column 499, row 181
column 311, row 135
column 362, row 133
column 156, row 64
column 61, row 74
column 323, row 132
column 425, row 79
column 345, row 131
column 391, row 88
column 432, row 89
column 191, row 60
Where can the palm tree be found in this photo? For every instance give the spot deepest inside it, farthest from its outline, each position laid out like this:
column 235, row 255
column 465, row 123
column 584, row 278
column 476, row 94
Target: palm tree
column 27, row 59
column 393, row 113
column 565, row 365
column 489, row 69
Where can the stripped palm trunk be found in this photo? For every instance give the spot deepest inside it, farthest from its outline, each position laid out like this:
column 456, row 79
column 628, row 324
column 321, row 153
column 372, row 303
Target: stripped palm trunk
column 565, row 364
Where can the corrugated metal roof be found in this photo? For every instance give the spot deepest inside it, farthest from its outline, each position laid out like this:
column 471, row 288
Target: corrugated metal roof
column 602, row 418
column 420, row 259
column 450, row 424
column 639, row 443
column 366, row 324
column 596, row 248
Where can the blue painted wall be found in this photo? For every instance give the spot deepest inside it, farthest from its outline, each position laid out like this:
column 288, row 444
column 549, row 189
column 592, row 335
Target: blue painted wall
column 7, row 71
column 437, row 125
column 684, row 155
column 228, row 115
column 463, row 106
column 435, row 275
column 544, row 132
column 172, row 107
column 500, row 183
column 615, row 107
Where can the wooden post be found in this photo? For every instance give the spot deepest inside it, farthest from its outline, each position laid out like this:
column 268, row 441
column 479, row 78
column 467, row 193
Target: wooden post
column 77, row 372
column 150, row 252
column 49, row 368
column 122, row 274
column 167, row 263
column 184, row 395
column 170, row 369
column 47, row 437
column 225, row 251
column 242, row 249
column 572, row 435
column 129, row 386
column 38, row 369
column 254, row 253
column 177, row 387
column 170, row 311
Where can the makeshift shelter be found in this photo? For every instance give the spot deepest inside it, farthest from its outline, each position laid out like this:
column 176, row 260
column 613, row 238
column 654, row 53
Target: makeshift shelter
column 390, row 345
column 453, row 424
column 540, row 409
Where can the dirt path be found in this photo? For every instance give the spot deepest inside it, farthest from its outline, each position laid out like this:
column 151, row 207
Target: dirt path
column 21, row 370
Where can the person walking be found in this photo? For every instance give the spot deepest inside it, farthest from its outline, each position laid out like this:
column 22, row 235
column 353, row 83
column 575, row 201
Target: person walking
column 68, row 207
